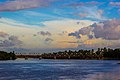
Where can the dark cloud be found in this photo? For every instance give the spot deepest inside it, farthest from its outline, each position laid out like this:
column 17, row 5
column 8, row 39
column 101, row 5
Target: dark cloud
column 90, row 36
column 3, row 34
column 10, row 42
column 75, row 34
column 6, row 43
column 109, row 30
column 48, row 40
column 14, row 5
column 43, row 33
column 15, row 40
column 83, row 31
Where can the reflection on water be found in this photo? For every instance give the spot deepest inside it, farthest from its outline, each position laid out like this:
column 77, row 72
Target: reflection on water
column 105, row 76
column 59, row 70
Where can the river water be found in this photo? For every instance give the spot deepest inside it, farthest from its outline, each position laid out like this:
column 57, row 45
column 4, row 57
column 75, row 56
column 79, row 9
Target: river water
column 60, row 70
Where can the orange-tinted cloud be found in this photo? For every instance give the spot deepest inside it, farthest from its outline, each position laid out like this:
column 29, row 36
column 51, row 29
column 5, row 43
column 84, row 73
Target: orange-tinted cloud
column 3, row 34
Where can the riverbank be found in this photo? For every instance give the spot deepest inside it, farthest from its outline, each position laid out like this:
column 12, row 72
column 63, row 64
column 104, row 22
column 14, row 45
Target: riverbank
column 100, row 54
column 7, row 56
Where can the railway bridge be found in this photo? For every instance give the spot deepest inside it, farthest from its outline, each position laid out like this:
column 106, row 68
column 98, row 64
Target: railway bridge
column 28, row 55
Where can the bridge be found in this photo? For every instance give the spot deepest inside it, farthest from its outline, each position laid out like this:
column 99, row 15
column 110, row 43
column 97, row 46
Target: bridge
column 28, row 55
column 46, row 56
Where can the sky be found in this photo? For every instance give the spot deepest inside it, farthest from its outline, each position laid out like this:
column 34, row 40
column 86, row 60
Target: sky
column 54, row 25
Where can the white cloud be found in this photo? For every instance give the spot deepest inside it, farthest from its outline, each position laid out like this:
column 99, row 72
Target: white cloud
column 91, row 12
column 95, row 13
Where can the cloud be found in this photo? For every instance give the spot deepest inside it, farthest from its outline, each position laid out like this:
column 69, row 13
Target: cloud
column 82, row 15
column 44, row 33
column 10, row 42
column 15, row 39
column 92, row 12
column 15, row 5
column 94, row 43
column 109, row 30
column 6, row 43
column 92, row 3
column 95, row 13
column 71, row 42
column 90, row 36
column 54, row 27
column 48, row 40
column 75, row 34
column 42, row 17
column 12, row 22
column 115, row 4
column 100, row 11
column 3, row 34
column 82, row 31
column 85, row 30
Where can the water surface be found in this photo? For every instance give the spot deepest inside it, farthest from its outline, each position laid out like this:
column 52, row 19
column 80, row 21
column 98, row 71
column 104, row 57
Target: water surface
column 60, row 70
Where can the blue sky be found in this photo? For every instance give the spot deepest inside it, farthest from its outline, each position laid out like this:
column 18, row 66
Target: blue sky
column 62, row 9
column 71, row 23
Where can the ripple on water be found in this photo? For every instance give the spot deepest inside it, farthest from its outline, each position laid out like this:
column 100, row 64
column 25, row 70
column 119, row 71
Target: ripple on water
column 59, row 70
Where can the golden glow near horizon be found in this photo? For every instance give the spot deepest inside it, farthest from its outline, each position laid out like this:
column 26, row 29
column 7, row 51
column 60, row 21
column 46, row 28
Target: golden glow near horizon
column 58, row 29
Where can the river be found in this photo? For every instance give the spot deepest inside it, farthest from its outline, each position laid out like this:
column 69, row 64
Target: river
column 60, row 70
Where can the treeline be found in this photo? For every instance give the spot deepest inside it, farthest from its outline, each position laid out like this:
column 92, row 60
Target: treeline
column 7, row 56
column 101, row 53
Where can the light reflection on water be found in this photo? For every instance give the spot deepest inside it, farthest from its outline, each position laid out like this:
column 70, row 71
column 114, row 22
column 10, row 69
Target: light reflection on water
column 60, row 70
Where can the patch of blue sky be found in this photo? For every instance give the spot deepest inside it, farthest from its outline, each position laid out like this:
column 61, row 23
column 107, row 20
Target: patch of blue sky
column 57, row 11
column 113, row 13
column 25, row 20
column 30, row 17
column 3, row 1
column 38, row 15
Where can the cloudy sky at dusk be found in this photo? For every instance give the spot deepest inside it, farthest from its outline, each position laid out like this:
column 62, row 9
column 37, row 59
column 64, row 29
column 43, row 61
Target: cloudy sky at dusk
column 47, row 25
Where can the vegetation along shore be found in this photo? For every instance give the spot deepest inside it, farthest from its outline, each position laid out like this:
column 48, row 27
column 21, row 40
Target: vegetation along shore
column 99, row 54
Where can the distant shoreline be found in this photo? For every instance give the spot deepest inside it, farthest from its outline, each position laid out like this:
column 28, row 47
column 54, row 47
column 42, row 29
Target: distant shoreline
column 64, row 59
column 100, row 54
